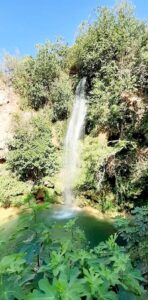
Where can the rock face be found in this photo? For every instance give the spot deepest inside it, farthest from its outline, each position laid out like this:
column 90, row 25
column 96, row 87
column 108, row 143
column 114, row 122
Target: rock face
column 8, row 106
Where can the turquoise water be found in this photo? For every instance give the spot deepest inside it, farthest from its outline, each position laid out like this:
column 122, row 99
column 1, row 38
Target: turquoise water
column 96, row 230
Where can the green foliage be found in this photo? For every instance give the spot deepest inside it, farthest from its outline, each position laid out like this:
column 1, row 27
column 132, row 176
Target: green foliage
column 94, row 158
column 61, row 97
column 117, row 168
column 107, row 104
column 33, row 77
column 32, row 154
column 115, row 35
column 44, row 267
column 111, row 52
column 131, row 177
column 12, row 264
column 42, row 193
column 27, row 85
column 12, row 191
column 134, row 231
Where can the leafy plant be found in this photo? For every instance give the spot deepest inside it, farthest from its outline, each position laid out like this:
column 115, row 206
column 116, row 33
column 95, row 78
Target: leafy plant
column 32, row 154
column 33, row 76
column 134, row 231
column 61, row 97
column 45, row 267
column 12, row 191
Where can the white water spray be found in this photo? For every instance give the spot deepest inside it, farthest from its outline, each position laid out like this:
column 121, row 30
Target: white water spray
column 72, row 151
column 74, row 132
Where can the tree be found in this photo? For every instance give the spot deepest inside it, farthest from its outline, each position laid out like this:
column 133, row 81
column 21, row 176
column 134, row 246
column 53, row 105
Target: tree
column 61, row 97
column 32, row 154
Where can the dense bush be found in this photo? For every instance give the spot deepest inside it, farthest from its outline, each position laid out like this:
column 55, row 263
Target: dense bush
column 111, row 52
column 115, row 36
column 32, row 154
column 112, row 172
column 134, row 231
column 12, row 191
column 61, row 97
column 33, row 77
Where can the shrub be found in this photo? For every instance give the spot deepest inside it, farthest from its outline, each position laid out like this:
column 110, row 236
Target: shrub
column 33, row 77
column 115, row 35
column 61, row 97
column 111, row 52
column 43, row 194
column 12, row 191
column 31, row 153
column 107, row 108
column 134, row 231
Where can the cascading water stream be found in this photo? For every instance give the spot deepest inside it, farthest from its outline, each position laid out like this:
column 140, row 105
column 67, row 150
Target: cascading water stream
column 73, row 135
column 72, row 149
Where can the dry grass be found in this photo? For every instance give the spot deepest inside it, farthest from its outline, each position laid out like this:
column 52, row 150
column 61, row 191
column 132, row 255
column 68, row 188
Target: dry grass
column 7, row 214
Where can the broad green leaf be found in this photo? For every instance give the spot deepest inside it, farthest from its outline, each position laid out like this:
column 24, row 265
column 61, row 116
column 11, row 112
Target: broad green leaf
column 46, row 291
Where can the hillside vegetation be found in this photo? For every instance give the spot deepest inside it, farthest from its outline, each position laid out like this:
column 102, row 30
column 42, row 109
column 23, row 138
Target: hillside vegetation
column 112, row 53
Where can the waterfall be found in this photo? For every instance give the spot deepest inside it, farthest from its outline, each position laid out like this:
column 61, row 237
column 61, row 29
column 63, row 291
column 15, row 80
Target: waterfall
column 71, row 145
column 72, row 151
